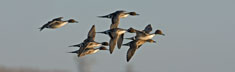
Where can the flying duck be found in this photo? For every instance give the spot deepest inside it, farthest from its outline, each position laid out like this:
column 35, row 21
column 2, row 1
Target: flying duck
column 134, row 45
column 89, row 42
column 57, row 23
column 116, row 37
column 115, row 17
column 145, row 34
column 88, row 51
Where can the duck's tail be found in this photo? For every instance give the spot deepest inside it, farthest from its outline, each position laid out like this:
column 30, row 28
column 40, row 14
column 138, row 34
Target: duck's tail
column 106, row 16
column 127, row 44
column 73, row 51
column 131, row 38
column 78, row 45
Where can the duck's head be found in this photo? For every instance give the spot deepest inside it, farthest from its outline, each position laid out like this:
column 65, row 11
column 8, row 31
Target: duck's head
column 72, row 21
column 133, row 13
column 131, row 30
column 103, row 48
column 105, row 43
column 159, row 32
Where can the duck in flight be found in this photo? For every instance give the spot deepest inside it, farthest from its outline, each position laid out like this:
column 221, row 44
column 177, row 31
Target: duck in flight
column 57, row 23
column 115, row 17
column 145, row 34
column 89, row 42
column 88, row 51
column 116, row 37
column 134, row 45
column 120, row 14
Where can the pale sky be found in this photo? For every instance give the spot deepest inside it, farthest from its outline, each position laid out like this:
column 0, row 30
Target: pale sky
column 199, row 35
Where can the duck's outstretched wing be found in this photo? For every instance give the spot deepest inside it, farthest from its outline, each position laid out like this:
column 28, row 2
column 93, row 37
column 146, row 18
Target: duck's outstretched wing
column 131, row 50
column 112, row 43
column 44, row 26
column 82, row 49
column 91, row 34
column 120, row 40
column 148, row 28
column 115, row 22
column 57, row 19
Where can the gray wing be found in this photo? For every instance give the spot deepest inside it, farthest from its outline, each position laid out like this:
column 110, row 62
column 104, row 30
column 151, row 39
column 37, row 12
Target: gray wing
column 140, row 33
column 44, row 26
column 82, row 49
column 148, row 28
column 116, row 19
column 112, row 44
column 57, row 19
column 115, row 22
column 120, row 40
column 111, row 15
column 92, row 33
column 131, row 51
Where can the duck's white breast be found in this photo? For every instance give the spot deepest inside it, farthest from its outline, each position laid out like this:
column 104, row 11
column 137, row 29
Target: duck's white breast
column 147, row 37
column 96, row 51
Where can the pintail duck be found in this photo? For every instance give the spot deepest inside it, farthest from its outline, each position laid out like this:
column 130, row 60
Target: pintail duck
column 57, row 23
column 116, row 37
column 88, row 51
column 145, row 34
column 119, row 14
column 115, row 17
column 134, row 45
column 89, row 42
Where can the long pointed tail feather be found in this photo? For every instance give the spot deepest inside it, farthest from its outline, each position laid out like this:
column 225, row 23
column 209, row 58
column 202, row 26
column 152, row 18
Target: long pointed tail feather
column 74, row 46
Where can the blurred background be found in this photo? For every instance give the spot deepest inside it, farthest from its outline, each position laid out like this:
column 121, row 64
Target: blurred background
column 199, row 36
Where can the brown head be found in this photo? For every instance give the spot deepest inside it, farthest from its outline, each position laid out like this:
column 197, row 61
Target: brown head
column 105, row 43
column 131, row 30
column 103, row 48
column 72, row 21
column 159, row 32
column 133, row 13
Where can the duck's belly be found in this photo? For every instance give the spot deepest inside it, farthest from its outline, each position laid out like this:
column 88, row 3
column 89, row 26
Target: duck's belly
column 121, row 32
column 92, row 45
column 89, row 52
column 146, row 37
column 92, row 51
column 95, row 51
column 124, row 16
column 53, row 26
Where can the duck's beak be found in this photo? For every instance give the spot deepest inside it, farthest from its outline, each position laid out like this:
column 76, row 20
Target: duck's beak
column 163, row 34
column 154, row 42
column 76, row 21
